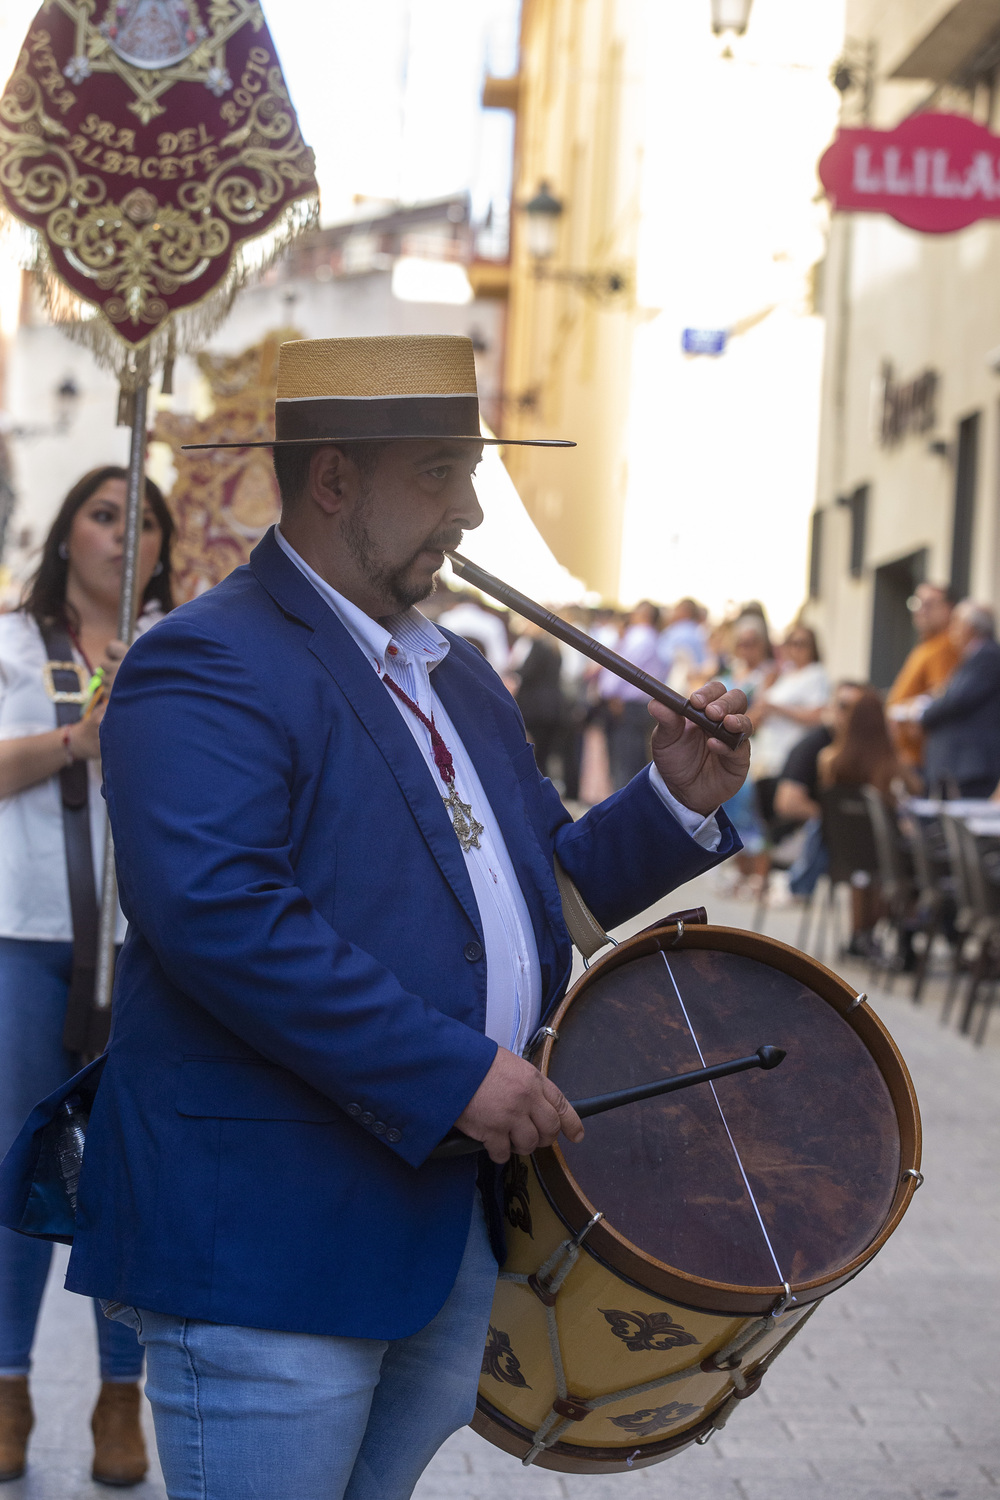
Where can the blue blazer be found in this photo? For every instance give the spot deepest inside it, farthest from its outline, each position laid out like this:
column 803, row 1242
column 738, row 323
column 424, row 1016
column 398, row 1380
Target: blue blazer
column 962, row 726
column 300, row 1003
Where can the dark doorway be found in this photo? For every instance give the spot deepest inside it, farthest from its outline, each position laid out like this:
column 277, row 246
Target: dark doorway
column 966, row 467
column 892, row 627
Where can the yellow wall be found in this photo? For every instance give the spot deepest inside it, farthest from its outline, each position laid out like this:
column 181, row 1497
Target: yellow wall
column 688, row 165
column 576, row 129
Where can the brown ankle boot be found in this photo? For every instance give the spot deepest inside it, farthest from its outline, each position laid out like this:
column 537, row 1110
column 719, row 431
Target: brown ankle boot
column 16, row 1421
column 119, row 1449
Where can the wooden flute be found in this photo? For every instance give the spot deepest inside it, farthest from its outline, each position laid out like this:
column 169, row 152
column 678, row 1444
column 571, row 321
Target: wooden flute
column 587, row 646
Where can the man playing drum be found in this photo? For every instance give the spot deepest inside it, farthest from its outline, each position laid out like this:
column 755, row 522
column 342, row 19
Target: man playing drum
column 336, row 856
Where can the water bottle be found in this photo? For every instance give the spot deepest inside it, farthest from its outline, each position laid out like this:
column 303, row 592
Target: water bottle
column 70, row 1140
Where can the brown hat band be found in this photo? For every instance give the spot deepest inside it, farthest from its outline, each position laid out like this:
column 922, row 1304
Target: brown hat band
column 359, row 419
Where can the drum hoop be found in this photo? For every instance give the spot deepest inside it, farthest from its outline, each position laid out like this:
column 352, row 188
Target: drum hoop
column 588, row 1460
column 609, row 1247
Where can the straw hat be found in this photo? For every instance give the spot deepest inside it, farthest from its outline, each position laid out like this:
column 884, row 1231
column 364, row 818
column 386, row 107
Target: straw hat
column 377, row 389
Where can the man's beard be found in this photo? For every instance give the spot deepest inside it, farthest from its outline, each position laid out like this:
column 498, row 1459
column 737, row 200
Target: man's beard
column 394, row 583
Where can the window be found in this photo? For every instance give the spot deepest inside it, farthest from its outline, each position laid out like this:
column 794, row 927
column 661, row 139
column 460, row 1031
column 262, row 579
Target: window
column 966, row 468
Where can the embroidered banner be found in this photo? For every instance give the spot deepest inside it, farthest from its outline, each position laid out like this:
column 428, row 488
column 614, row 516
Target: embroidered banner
column 936, row 173
column 152, row 148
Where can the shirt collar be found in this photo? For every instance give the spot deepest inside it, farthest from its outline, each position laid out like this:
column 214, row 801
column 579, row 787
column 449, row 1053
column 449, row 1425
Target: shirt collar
column 408, row 634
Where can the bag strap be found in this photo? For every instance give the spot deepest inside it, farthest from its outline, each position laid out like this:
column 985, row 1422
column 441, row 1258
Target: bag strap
column 586, row 931
column 67, row 689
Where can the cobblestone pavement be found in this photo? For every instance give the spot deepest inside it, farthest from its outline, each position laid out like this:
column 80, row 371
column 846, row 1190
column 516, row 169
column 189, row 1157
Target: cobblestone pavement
column 890, row 1394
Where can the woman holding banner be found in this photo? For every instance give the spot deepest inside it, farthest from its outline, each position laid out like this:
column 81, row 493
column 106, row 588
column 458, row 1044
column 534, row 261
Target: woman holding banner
column 51, row 845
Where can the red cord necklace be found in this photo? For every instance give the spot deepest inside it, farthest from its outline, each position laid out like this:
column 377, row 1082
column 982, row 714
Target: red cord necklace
column 466, row 826
column 79, row 646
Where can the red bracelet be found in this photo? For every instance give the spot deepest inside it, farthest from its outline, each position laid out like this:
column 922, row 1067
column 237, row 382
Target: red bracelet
column 68, row 747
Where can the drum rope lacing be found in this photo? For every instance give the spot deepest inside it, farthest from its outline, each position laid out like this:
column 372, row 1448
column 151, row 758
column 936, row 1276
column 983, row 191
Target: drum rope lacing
column 725, row 1123
column 546, row 1284
column 746, row 1341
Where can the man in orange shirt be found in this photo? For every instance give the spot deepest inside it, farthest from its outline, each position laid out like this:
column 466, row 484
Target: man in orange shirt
column 925, row 670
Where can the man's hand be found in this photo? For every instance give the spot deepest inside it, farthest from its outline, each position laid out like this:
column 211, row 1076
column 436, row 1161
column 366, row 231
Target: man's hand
column 85, row 733
column 114, row 655
column 515, row 1109
column 701, row 772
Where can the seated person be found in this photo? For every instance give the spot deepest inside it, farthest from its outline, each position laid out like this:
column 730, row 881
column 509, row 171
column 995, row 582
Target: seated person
column 796, row 797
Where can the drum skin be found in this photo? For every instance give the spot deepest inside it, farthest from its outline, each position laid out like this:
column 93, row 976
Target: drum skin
column 678, row 1266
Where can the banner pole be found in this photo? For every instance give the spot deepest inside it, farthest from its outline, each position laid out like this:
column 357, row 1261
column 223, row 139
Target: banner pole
column 127, row 609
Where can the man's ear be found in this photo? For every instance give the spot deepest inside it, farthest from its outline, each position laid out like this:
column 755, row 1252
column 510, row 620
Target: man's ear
column 333, row 479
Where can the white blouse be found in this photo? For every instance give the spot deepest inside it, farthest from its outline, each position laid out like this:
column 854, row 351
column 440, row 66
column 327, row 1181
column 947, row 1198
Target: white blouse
column 805, row 687
column 34, row 886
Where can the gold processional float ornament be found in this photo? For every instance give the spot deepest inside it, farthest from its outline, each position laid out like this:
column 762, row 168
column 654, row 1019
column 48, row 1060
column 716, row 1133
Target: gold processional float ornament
column 224, row 499
column 152, row 151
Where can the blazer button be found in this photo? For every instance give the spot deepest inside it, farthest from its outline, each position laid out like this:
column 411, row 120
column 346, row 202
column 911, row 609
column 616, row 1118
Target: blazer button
column 379, row 1127
column 367, row 1118
column 393, row 1135
column 473, row 952
column 354, row 1110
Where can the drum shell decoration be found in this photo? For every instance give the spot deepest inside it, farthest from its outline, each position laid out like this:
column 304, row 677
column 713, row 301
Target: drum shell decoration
column 625, row 1320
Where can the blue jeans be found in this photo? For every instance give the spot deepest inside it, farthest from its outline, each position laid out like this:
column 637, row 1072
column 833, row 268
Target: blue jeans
column 34, row 983
column 243, row 1412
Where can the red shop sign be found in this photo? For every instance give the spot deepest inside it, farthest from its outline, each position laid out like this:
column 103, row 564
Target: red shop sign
column 935, row 173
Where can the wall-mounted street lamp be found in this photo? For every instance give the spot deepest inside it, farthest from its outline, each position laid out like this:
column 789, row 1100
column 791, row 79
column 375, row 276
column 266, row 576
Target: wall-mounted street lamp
column 730, row 15
column 543, row 213
column 67, row 394
column 853, row 74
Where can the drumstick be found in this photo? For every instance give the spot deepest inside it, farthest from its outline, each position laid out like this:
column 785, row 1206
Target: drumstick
column 456, row 1143
column 587, row 646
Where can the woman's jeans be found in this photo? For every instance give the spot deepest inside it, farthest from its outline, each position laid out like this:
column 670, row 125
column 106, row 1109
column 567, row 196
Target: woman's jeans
column 34, row 982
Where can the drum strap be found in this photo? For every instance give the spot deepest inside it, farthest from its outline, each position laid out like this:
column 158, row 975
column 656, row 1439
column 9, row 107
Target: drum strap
column 79, row 1029
column 585, row 930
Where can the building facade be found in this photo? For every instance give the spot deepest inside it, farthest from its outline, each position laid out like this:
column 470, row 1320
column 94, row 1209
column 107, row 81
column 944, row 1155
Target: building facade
column 669, row 325
column 909, row 466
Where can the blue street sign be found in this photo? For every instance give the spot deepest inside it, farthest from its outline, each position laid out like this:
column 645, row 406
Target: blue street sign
column 704, row 340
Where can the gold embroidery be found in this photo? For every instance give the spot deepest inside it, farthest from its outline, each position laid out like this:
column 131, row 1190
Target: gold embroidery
column 104, row 48
column 138, row 250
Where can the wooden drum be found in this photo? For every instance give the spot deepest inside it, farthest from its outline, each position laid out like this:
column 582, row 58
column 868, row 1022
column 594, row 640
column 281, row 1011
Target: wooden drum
column 655, row 1271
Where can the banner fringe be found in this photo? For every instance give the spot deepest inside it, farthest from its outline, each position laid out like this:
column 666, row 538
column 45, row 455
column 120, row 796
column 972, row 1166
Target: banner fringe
column 185, row 331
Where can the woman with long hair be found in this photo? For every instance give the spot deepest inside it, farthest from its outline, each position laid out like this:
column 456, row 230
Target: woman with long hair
column 863, row 754
column 70, row 606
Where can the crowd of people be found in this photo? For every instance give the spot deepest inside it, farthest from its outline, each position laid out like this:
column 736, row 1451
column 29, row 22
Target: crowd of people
column 935, row 732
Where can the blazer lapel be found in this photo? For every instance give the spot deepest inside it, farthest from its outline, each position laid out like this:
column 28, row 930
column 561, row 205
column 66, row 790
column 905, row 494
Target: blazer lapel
column 332, row 645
